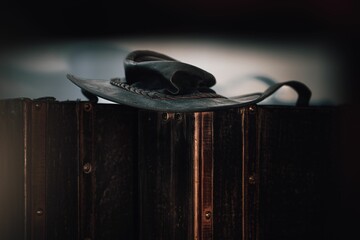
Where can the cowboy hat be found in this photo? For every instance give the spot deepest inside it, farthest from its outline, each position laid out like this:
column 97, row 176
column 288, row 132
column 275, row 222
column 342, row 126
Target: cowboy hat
column 155, row 81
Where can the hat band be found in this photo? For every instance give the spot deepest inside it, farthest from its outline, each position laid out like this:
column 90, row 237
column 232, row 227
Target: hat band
column 156, row 95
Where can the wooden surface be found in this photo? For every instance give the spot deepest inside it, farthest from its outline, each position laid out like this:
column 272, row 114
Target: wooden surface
column 12, row 204
column 298, row 183
column 104, row 171
column 228, row 174
column 165, row 176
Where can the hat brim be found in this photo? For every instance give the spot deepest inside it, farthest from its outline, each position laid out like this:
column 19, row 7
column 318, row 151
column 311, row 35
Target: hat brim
column 104, row 89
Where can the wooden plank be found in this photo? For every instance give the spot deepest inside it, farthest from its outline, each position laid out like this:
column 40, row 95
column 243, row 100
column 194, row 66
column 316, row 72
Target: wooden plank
column 203, row 175
column 37, row 170
column 115, row 172
column 12, row 175
column 298, row 189
column 228, row 174
column 62, row 170
column 86, row 169
column 166, row 175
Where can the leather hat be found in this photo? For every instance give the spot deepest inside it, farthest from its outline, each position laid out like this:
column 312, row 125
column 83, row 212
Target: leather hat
column 154, row 81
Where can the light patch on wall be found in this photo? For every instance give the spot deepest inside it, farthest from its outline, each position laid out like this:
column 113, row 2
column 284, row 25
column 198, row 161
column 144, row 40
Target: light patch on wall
column 42, row 63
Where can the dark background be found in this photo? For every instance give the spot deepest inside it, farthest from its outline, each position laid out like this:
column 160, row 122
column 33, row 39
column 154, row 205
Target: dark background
column 82, row 18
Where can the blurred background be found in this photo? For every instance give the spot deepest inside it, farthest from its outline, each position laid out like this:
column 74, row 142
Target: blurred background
column 246, row 45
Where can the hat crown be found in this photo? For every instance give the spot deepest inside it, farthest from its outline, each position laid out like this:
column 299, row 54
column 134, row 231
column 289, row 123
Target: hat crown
column 154, row 71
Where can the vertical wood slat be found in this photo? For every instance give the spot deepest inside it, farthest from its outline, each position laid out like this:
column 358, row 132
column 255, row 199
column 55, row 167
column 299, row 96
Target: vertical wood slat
column 115, row 155
column 62, row 165
column 155, row 211
column 13, row 223
column 86, row 168
column 250, row 174
column 165, row 180
column 203, row 176
column 37, row 171
column 299, row 179
column 228, row 174
column 51, row 170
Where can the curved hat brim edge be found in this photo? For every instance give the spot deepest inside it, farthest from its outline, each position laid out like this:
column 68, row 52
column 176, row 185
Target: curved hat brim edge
column 104, row 89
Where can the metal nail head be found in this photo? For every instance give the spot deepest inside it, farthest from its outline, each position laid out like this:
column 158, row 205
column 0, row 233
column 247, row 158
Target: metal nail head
column 87, row 107
column 252, row 109
column 252, row 180
column 37, row 106
column 207, row 215
column 178, row 116
column 87, row 168
column 39, row 212
column 165, row 116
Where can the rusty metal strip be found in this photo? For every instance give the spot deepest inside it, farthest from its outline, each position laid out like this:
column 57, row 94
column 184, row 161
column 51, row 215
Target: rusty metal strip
column 37, row 171
column 203, row 176
column 196, row 176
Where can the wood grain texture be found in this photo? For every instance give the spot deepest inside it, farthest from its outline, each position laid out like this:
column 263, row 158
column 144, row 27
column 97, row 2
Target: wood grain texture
column 115, row 172
column 12, row 188
column 262, row 172
column 165, row 176
column 106, row 171
column 228, row 174
column 203, row 162
column 62, row 168
column 298, row 190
